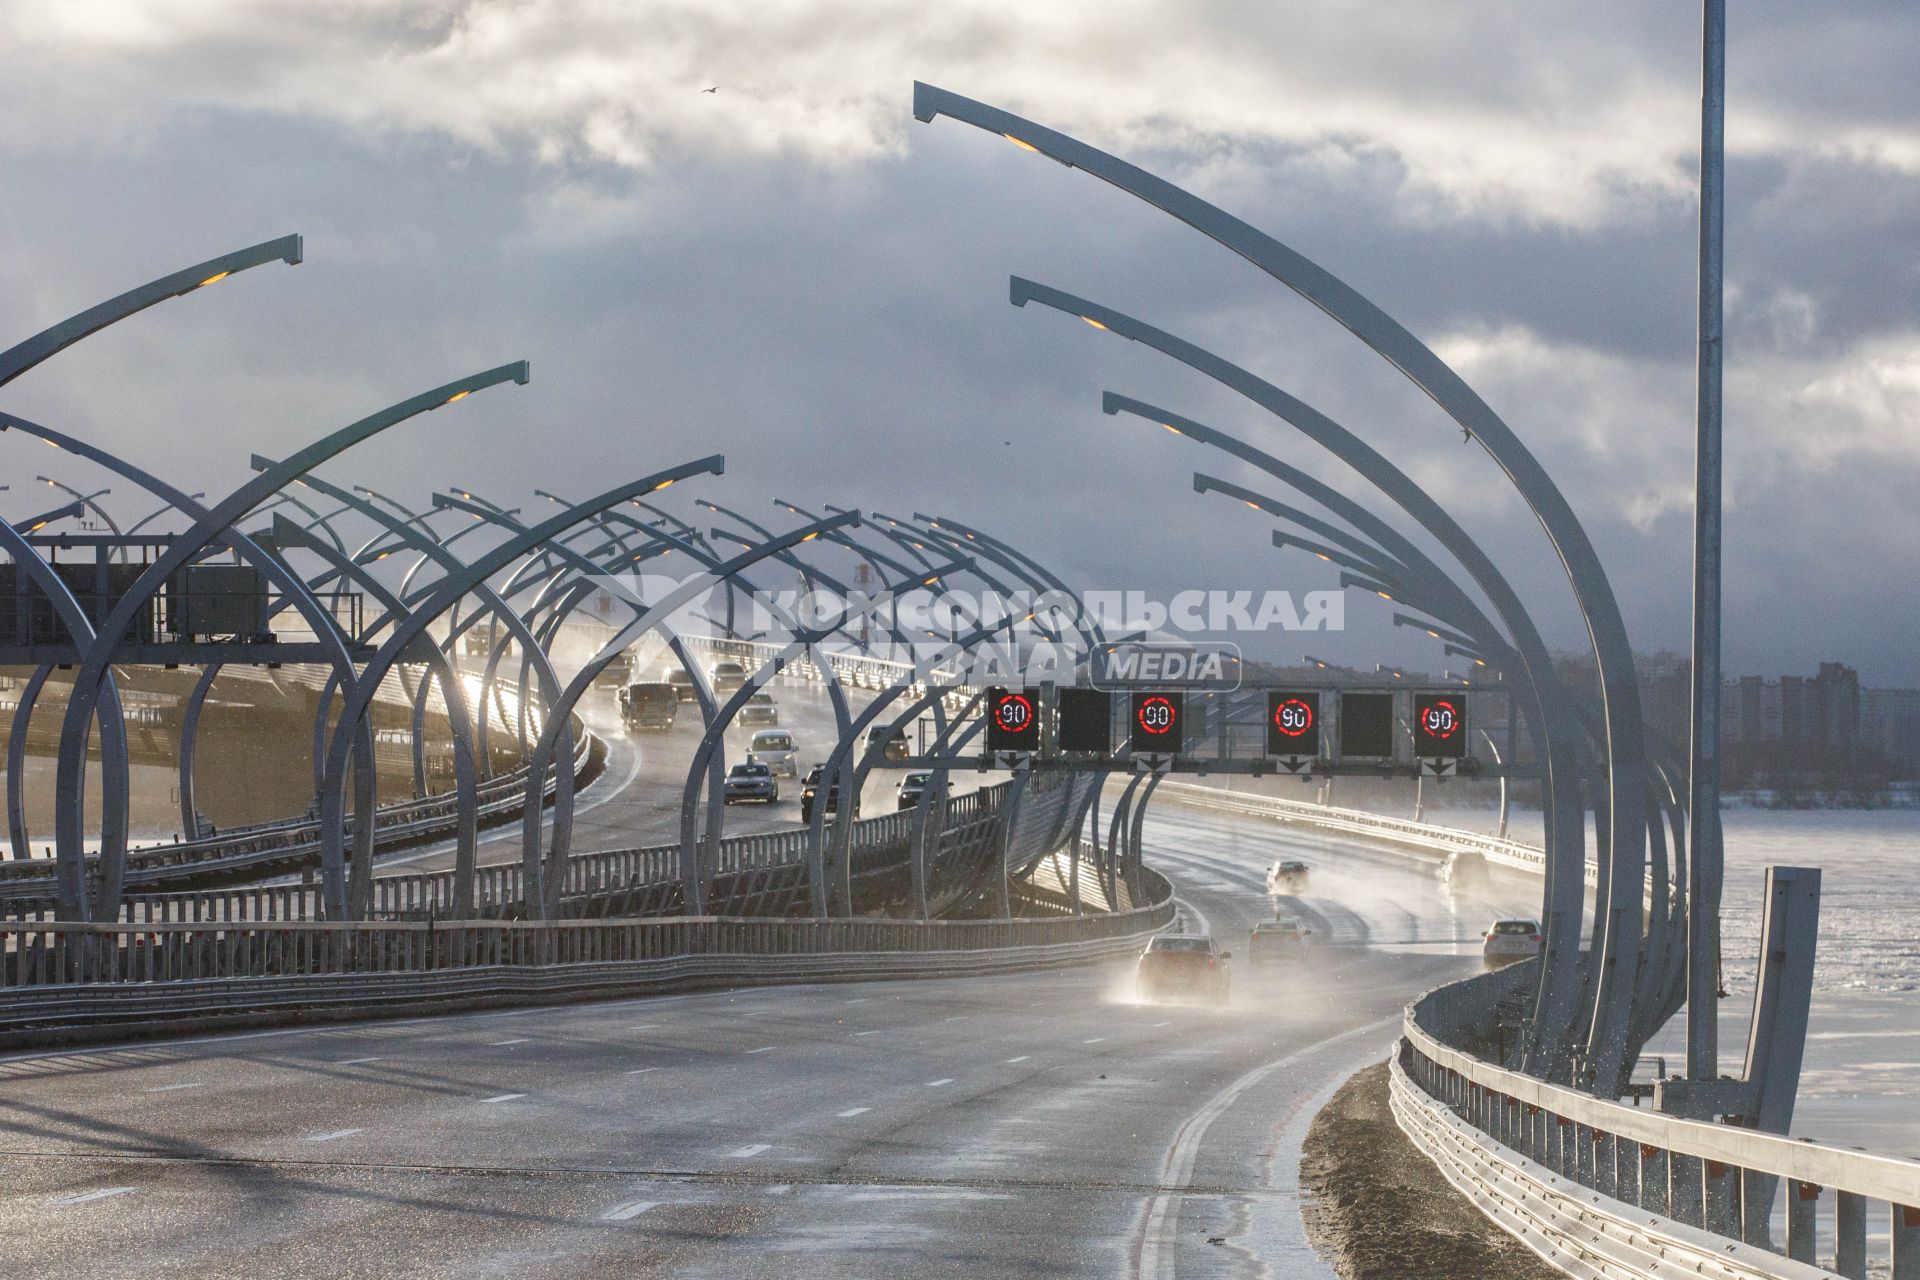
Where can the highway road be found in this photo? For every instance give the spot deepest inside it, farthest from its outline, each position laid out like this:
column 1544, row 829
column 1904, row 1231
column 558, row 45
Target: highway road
column 636, row 802
column 1041, row 1125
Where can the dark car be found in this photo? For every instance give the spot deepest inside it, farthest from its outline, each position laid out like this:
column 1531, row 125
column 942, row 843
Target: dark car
column 751, row 781
column 893, row 745
column 912, row 787
column 1183, row 964
column 617, row 672
column 649, row 706
column 809, row 788
column 682, row 681
column 727, row 676
column 760, row 709
column 1277, row 941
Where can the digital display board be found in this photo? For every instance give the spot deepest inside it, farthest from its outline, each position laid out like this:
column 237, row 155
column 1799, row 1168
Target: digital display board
column 1086, row 720
column 1293, row 722
column 1440, row 726
column 1156, row 723
column 1013, row 720
column 1366, row 724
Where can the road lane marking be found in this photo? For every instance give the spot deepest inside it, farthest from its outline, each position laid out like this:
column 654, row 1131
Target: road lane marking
column 867, row 1033
column 518, row 1040
column 174, row 1088
column 1163, row 1024
column 955, row 1018
column 502, row 1097
column 1156, row 1236
column 640, row 1071
column 1095, row 1040
column 854, row 1111
column 354, row 1062
column 1022, row 1058
column 646, row 1026
column 765, row 1048
column 624, row 1212
column 943, row 1080
column 104, row 1192
column 742, row 1153
column 337, row 1133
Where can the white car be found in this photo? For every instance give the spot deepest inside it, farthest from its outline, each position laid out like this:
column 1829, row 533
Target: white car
column 1510, row 940
column 774, row 748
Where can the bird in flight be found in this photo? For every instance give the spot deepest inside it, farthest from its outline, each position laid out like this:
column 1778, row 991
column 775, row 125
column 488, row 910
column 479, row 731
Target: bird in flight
column 715, row 89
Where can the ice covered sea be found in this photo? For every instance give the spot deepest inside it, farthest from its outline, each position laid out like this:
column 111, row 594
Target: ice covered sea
column 1860, row 1085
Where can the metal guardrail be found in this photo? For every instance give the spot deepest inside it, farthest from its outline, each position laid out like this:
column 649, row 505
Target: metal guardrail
column 59, row 977
column 274, row 846
column 1602, row 1188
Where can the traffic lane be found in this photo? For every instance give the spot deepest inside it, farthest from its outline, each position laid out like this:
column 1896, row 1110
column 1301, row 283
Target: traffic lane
column 636, row 801
column 1357, row 893
column 891, row 1112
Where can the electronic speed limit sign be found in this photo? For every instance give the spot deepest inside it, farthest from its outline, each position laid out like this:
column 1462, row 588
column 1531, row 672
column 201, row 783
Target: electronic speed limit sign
column 1293, row 723
column 1157, row 724
column 1440, row 726
column 1013, row 720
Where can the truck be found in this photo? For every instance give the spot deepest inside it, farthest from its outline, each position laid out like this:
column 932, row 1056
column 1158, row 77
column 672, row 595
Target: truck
column 651, row 705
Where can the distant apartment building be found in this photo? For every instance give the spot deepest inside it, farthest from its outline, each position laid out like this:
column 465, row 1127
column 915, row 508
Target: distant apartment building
column 1890, row 727
column 1811, row 711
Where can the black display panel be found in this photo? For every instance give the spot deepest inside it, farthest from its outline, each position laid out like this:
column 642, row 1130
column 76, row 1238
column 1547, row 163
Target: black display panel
column 1366, row 724
column 1086, row 720
column 1013, row 720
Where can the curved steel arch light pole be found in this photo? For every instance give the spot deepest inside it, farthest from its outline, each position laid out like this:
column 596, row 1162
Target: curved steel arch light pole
column 88, row 500
column 1559, row 986
column 214, row 525
column 586, row 566
column 325, row 629
column 692, row 887
column 161, row 510
column 443, row 596
column 1391, row 340
column 70, row 874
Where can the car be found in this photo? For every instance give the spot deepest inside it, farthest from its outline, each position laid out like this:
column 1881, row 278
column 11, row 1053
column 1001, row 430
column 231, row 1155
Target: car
column 1510, row 940
column 760, row 709
column 893, row 744
column 912, row 787
column 774, row 749
column 726, row 676
column 682, row 681
column 1287, row 877
column 1183, row 964
column 617, row 672
column 751, row 781
column 811, row 786
column 1277, row 940
column 650, row 705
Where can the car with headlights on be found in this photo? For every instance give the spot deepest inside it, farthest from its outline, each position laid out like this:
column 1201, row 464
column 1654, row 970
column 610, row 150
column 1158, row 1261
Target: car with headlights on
column 760, row 709
column 1277, row 941
column 912, row 787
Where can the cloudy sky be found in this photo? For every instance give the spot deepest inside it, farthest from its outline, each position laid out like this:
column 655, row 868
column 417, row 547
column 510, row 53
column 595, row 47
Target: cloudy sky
column 793, row 272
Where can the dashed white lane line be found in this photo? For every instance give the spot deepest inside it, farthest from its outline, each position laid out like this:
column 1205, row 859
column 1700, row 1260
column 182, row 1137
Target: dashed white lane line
column 1022, row 1058
column 867, row 1033
column 742, row 1153
column 501, row 1097
column 854, row 1111
column 623, row 1212
column 1095, row 1040
column 955, row 1018
column 646, row 1026
column 516, row 1040
column 640, row 1071
column 62, row 1202
column 943, row 1080
column 859, row 999
column 337, row 1133
column 765, row 1048
column 174, row 1088
column 1163, row 1024
column 354, row 1062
